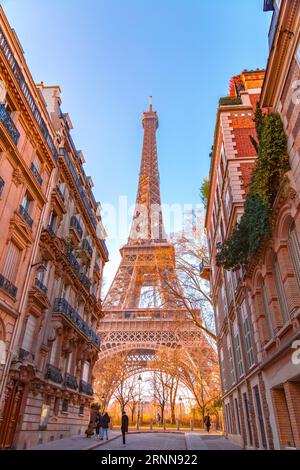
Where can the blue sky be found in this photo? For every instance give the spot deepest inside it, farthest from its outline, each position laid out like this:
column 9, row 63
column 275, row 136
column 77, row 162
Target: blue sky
column 108, row 56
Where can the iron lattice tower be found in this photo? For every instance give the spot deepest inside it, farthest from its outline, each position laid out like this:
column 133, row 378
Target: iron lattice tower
column 140, row 318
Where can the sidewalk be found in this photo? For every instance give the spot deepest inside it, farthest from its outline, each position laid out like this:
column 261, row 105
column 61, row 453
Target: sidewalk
column 212, row 441
column 76, row 442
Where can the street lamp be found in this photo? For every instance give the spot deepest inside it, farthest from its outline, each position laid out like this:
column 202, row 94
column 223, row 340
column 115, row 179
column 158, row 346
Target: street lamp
column 139, row 403
column 180, row 404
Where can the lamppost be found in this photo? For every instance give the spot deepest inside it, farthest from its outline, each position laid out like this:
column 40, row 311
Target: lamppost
column 139, row 402
column 180, row 404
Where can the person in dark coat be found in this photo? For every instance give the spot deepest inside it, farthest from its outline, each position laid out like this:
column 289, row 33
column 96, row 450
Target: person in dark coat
column 90, row 430
column 98, row 423
column 124, row 426
column 104, row 426
column 207, row 422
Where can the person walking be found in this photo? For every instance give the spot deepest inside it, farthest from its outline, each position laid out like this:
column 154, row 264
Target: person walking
column 98, row 424
column 104, row 426
column 124, row 426
column 207, row 422
column 90, row 430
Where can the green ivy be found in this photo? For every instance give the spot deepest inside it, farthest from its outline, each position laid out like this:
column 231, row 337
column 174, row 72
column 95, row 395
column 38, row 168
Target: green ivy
column 255, row 224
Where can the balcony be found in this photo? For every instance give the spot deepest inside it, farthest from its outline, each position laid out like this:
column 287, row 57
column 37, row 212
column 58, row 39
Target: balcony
column 24, row 214
column 74, row 223
column 41, row 286
column 63, row 307
column 8, row 287
column 36, row 174
column 86, row 388
column 14, row 66
column 71, row 382
column 87, row 247
column 53, row 374
column 1, row 185
column 9, row 124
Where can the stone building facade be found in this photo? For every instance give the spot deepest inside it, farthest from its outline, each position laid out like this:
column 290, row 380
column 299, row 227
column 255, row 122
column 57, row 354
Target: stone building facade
column 52, row 254
column 257, row 308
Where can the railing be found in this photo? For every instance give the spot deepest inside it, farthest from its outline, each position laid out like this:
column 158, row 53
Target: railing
column 9, row 124
column 7, row 286
column 41, row 286
column 85, row 388
column 62, row 306
column 73, row 261
column 81, row 190
column 87, row 247
column 24, row 214
column 23, row 354
column 71, row 382
column 2, row 183
column 54, row 374
column 60, row 193
column 36, row 174
column 74, row 223
column 26, row 93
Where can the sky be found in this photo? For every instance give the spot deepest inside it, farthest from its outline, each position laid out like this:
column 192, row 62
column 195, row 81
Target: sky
column 108, row 56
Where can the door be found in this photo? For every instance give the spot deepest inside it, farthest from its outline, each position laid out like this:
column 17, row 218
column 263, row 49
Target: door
column 11, row 413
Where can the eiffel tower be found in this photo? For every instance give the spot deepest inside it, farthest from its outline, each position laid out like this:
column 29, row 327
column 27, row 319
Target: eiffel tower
column 139, row 316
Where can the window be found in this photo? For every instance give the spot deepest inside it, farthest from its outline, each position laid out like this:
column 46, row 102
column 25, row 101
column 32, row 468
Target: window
column 223, row 370
column 81, row 409
column 237, row 348
column 53, row 352
column 65, row 406
column 294, row 248
column 230, row 358
column 27, row 202
column 69, row 362
column 29, row 333
column 52, row 222
column 224, row 300
column 298, row 54
column 280, row 292
column 249, row 424
column 237, row 411
column 260, row 417
column 86, row 372
column 229, row 285
column 56, row 406
column 12, row 262
column 247, row 335
column 267, row 309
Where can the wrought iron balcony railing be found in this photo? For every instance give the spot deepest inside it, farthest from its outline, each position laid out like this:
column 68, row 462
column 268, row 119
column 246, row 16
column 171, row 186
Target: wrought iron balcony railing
column 54, row 374
column 7, row 286
column 85, row 388
column 87, row 247
column 73, row 261
column 63, row 307
column 9, row 124
column 74, row 223
column 41, row 286
column 71, row 382
column 2, row 183
column 24, row 214
column 36, row 174
column 14, row 66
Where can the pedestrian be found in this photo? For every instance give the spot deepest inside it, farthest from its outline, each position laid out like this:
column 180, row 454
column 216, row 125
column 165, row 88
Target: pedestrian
column 98, row 424
column 105, row 420
column 158, row 419
column 207, row 422
column 124, row 426
column 90, row 430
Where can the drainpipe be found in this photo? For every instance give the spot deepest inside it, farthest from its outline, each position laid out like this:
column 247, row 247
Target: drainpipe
column 18, row 325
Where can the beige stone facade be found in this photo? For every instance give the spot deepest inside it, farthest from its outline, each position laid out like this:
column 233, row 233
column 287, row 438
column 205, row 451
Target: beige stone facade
column 257, row 308
column 52, row 254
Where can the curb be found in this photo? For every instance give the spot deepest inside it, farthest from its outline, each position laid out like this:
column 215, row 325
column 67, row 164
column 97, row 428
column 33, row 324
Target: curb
column 99, row 444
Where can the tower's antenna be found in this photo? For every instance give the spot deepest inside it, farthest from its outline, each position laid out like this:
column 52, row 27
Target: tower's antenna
column 150, row 103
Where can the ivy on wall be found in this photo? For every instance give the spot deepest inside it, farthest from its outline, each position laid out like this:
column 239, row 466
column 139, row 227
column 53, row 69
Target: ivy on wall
column 255, row 224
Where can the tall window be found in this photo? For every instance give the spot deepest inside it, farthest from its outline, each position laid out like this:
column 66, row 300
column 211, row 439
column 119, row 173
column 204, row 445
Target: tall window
column 237, row 411
column 249, row 423
column 247, row 335
column 237, row 348
column 267, row 309
column 86, row 372
column 223, row 370
column 53, row 352
column 280, row 292
column 231, row 362
column 224, row 300
column 294, row 249
column 29, row 333
column 53, row 221
column 27, row 202
column 12, row 262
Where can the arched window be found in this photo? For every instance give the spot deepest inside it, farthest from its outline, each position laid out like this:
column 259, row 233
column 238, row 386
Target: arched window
column 294, row 250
